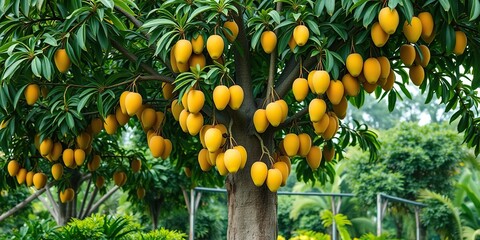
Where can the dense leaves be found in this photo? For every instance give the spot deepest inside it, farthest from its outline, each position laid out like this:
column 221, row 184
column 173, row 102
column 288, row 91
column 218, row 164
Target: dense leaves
column 122, row 45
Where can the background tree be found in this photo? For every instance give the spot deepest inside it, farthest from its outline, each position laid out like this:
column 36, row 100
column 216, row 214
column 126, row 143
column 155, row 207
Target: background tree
column 412, row 158
column 85, row 54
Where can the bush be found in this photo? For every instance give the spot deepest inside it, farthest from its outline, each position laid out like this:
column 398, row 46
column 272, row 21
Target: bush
column 97, row 227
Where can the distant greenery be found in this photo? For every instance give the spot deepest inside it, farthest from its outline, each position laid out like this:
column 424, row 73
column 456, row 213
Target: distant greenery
column 412, row 158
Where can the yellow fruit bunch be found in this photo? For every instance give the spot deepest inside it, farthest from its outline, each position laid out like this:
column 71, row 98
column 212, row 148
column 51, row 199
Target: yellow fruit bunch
column 158, row 145
column 213, row 154
column 371, row 73
column 275, row 177
column 131, row 103
column 300, row 36
column 39, row 180
column 421, row 26
column 187, row 54
column 48, row 149
column 231, row 96
column 190, row 118
column 275, row 113
column 411, row 58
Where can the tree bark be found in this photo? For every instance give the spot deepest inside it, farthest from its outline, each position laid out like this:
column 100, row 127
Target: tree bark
column 252, row 211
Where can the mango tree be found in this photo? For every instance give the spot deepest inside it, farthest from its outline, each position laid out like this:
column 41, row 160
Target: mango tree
column 211, row 80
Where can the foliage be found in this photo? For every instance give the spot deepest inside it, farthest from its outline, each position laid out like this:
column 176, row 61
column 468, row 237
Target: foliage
column 411, row 158
column 310, row 235
column 33, row 229
column 97, row 227
column 441, row 215
column 7, row 200
column 341, row 221
column 108, row 227
column 371, row 236
column 160, row 234
column 463, row 209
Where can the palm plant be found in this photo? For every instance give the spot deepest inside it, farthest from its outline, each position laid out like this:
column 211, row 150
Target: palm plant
column 341, row 221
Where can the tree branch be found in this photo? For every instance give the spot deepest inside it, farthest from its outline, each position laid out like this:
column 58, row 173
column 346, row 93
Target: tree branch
column 197, row 200
column 87, row 191
column 21, row 204
column 185, row 197
column 84, row 178
column 273, row 62
column 89, row 206
column 137, row 23
column 147, row 68
column 294, row 117
column 290, row 73
column 49, row 208
column 52, row 201
column 101, row 200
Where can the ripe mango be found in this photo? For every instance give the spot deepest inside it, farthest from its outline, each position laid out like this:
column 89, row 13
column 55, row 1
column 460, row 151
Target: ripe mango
column 258, row 172
column 412, row 31
column 32, row 93
column 354, row 64
column 268, row 40
column 388, row 19
column 221, row 97
column 215, row 46
column 260, row 120
column 300, row 35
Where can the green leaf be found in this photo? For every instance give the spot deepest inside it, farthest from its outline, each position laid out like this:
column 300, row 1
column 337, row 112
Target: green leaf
column 474, row 10
column 357, row 4
column 108, row 3
column 122, row 5
column 197, row 12
column 18, row 95
column 407, row 9
column 70, row 121
column 81, row 37
column 47, row 68
column 256, row 36
column 275, row 16
column 12, row 68
column 392, row 99
column 370, row 14
column 25, row 7
column 330, row 6
column 393, row 3
column 339, row 29
column 449, row 36
column 445, row 4
column 100, row 106
column 84, row 101
column 50, row 40
column 159, row 22
column 116, row 22
column 36, row 66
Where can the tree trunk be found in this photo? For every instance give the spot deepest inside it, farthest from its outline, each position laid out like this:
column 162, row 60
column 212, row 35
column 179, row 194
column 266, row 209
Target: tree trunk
column 252, row 211
column 399, row 226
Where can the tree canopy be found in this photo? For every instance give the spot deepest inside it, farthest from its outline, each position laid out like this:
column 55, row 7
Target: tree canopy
column 222, row 69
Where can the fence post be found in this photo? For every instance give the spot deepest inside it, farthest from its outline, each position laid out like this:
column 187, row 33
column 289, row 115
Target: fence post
column 334, row 224
column 379, row 214
column 192, row 214
column 417, row 222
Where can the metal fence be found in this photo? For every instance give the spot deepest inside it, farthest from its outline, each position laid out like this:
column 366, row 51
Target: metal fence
column 382, row 201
